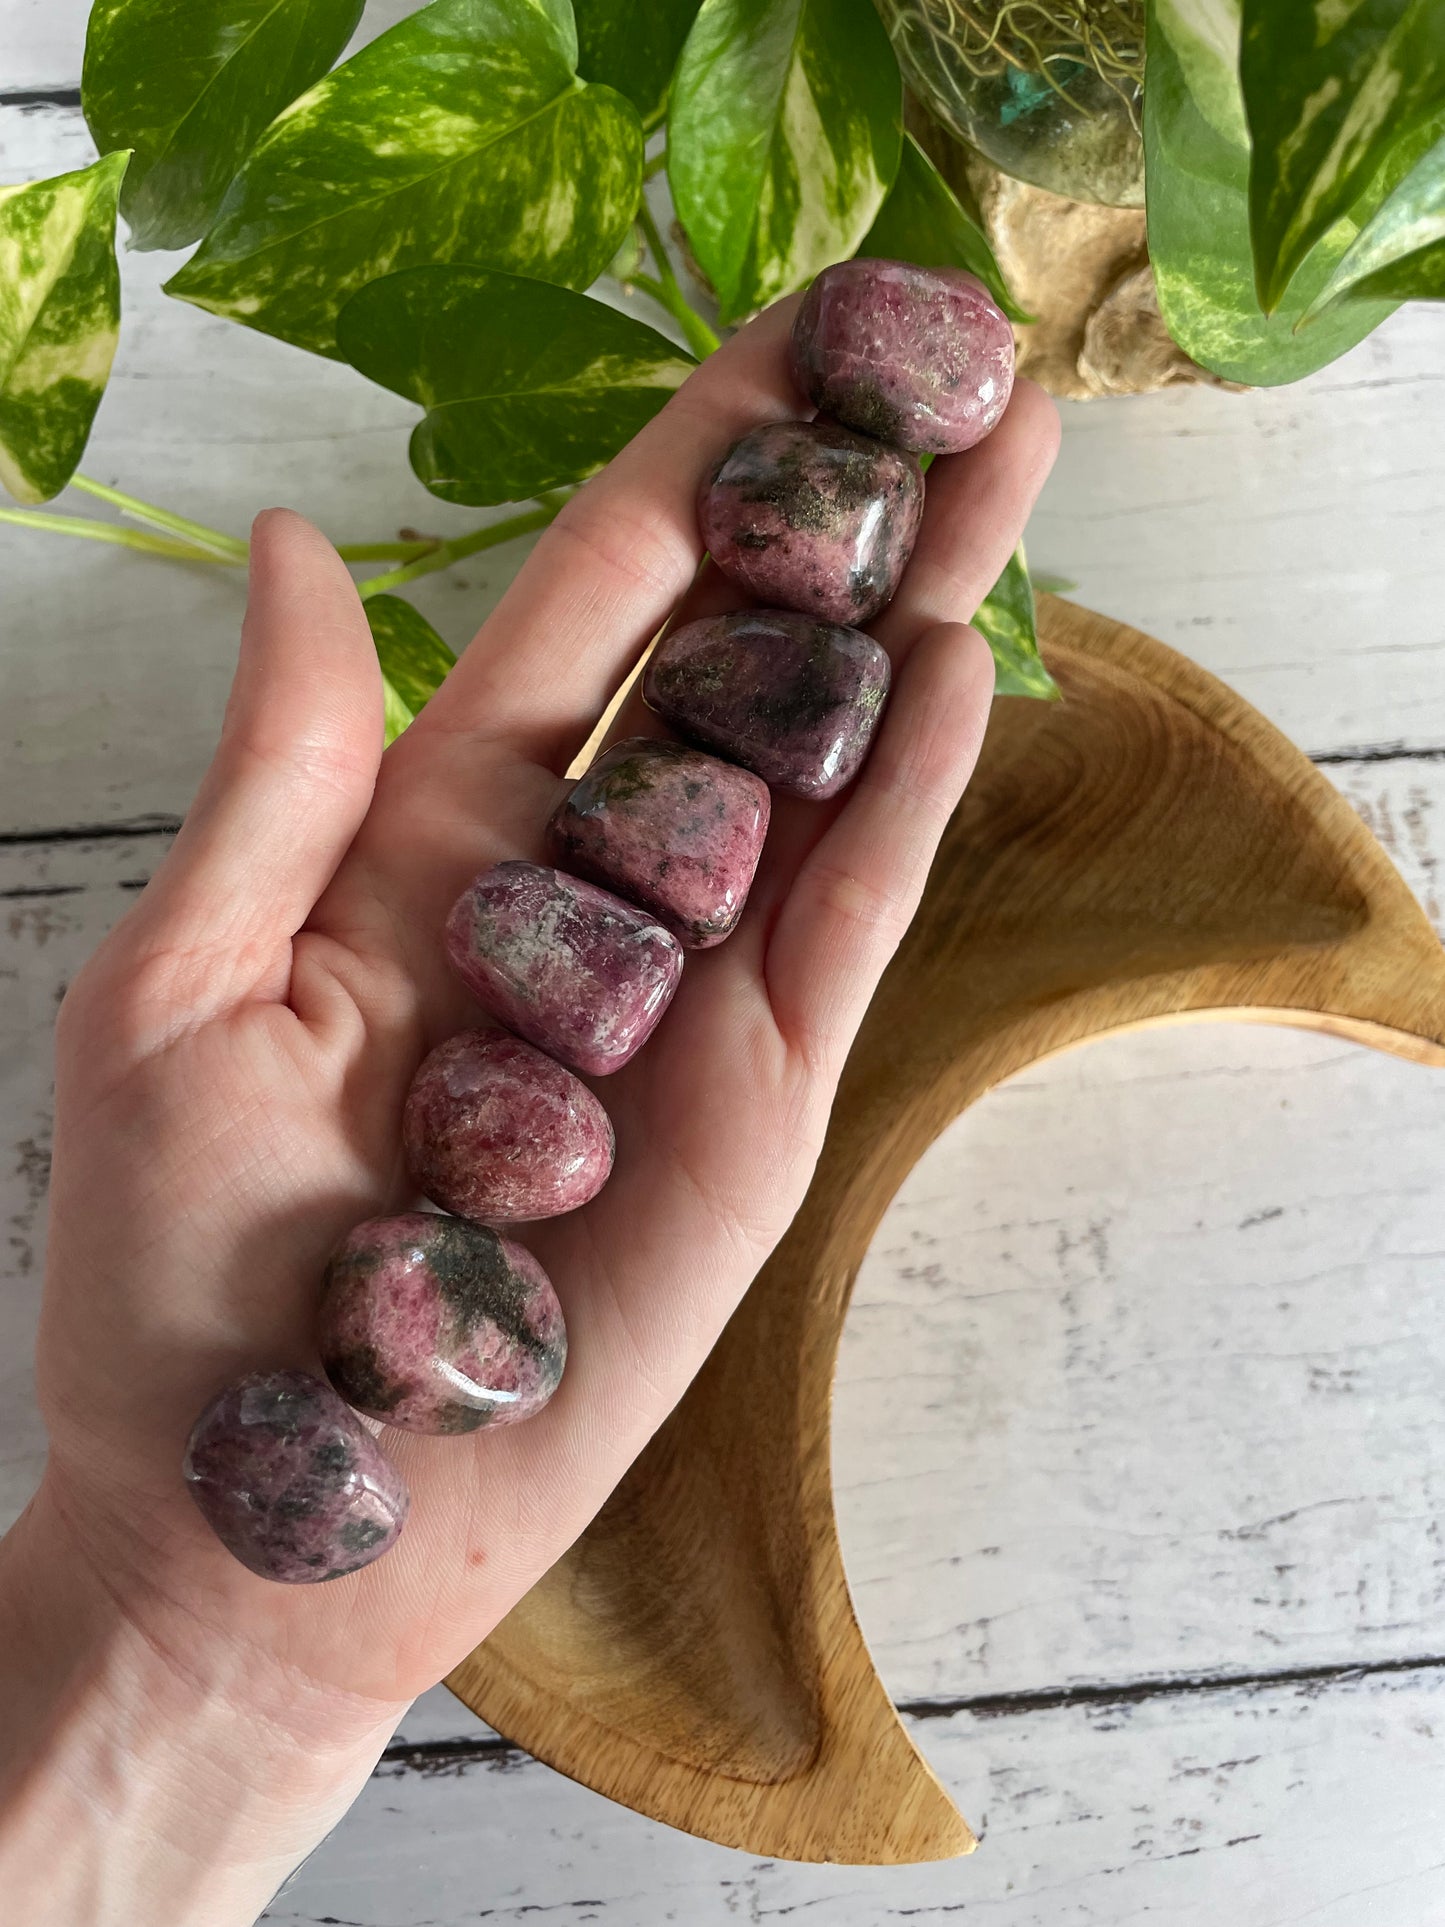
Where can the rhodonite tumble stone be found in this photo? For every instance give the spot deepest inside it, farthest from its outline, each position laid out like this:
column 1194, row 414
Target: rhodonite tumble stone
column 495, row 1131
column 437, row 1325
column 669, row 828
column 920, row 357
column 572, row 968
column 292, row 1482
column 795, row 701
column 813, row 517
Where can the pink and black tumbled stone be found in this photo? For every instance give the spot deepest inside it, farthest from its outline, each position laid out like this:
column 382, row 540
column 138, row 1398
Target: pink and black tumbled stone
column 810, row 516
column 920, row 357
column 571, row 968
column 437, row 1325
column 291, row 1482
column 793, row 700
column 495, row 1131
column 671, row 829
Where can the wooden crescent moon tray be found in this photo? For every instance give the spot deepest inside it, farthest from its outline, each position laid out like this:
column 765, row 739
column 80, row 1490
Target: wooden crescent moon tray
column 1150, row 849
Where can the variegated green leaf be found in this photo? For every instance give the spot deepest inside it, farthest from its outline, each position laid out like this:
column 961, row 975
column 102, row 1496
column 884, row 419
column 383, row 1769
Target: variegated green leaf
column 189, row 84
column 922, row 220
column 462, row 134
column 414, row 659
column 1331, row 87
column 59, row 319
column 783, row 138
column 1400, row 254
column 1198, row 204
column 1006, row 621
column 395, row 716
column 633, row 45
column 1203, row 39
column 526, row 386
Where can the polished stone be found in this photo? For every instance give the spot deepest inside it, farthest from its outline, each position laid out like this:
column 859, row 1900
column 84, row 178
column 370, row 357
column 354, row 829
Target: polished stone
column 920, row 357
column 292, row 1482
column 810, row 516
column 438, row 1325
column 671, row 829
column 793, row 700
column 495, row 1131
column 571, row 968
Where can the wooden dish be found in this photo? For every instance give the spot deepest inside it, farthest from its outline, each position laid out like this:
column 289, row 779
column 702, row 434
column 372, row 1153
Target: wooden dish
column 1148, row 850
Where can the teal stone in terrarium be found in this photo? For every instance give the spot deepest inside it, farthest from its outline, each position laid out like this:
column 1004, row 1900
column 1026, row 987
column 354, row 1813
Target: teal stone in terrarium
column 1049, row 92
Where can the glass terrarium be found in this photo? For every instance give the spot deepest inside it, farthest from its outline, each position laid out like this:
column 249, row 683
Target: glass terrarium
column 1050, row 91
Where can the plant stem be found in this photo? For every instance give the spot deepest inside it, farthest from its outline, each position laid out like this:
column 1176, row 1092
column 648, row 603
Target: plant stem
column 700, row 338
column 460, row 546
column 229, row 547
column 112, row 532
column 655, row 165
column 418, row 558
column 388, row 551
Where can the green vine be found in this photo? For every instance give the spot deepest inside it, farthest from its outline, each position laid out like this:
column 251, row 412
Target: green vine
column 667, row 290
column 189, row 541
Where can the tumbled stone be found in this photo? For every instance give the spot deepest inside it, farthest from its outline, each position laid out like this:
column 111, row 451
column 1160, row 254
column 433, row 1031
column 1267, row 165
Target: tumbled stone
column 795, row 701
column 291, row 1482
column 437, row 1325
column 920, row 357
column 571, row 968
column 669, row 828
column 810, row 516
column 497, row 1132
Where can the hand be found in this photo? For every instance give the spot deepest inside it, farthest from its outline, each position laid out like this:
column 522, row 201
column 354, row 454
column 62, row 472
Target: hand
column 232, row 1064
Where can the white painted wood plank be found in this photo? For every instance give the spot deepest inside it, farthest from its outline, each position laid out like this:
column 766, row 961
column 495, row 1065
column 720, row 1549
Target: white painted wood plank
column 437, row 1718
column 1258, row 1807
column 1143, row 1377
column 56, row 903
column 43, row 43
column 1288, row 539
column 1144, row 1374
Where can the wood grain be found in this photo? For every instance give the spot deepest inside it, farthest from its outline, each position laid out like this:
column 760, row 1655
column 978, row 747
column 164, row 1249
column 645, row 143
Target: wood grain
column 1148, row 850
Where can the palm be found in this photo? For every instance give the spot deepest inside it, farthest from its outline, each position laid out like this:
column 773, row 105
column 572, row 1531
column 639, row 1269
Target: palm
column 229, row 1090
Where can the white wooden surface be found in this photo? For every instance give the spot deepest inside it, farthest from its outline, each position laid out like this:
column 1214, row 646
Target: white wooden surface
column 1148, row 1544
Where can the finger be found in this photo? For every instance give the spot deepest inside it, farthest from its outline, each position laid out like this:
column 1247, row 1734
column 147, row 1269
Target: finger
column 975, row 508
column 608, row 572
column 291, row 778
column 856, row 891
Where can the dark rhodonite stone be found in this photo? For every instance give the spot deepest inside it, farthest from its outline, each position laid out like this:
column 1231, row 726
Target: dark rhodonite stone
column 571, row 968
column 438, row 1325
column 920, row 357
column 497, row 1132
column 669, row 828
column 292, row 1482
column 795, row 701
column 810, row 516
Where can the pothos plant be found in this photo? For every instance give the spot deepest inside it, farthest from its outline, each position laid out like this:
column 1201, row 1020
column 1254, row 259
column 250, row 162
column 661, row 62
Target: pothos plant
column 448, row 209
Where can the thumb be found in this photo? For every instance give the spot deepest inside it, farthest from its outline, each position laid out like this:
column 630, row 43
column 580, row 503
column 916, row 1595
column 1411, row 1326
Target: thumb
column 289, row 785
